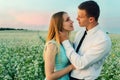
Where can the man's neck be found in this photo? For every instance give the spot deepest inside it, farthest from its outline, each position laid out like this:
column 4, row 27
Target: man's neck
column 92, row 25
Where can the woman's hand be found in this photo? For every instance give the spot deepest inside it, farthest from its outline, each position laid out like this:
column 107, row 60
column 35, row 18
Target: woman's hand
column 72, row 67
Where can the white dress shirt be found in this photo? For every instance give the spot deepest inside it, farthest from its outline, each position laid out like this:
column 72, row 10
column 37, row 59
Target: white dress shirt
column 93, row 51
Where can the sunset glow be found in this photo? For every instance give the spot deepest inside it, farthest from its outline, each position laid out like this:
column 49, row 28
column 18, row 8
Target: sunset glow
column 14, row 13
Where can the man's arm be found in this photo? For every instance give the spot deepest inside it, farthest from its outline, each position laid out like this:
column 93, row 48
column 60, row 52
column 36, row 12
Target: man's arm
column 95, row 53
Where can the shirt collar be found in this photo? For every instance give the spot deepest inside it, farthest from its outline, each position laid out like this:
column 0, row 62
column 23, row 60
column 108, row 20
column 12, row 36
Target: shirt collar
column 93, row 30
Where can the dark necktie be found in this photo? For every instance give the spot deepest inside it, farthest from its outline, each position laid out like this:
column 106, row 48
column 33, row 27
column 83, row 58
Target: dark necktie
column 78, row 47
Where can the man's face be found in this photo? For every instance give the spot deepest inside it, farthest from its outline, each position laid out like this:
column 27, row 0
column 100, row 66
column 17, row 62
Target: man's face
column 82, row 18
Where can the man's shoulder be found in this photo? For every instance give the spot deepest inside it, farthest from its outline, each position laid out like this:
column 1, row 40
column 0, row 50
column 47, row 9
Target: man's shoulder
column 102, row 35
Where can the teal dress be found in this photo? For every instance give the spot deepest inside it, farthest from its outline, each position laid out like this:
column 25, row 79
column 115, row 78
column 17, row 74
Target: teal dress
column 61, row 61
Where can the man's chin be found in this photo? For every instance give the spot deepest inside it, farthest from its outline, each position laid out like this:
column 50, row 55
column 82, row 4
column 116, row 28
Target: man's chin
column 81, row 25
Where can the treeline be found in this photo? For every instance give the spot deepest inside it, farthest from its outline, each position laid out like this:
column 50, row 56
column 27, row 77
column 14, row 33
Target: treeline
column 10, row 29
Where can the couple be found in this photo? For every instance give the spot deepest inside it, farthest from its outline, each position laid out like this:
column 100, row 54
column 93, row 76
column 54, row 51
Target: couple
column 83, row 60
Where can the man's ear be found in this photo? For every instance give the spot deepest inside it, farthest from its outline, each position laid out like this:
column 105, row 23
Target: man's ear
column 91, row 19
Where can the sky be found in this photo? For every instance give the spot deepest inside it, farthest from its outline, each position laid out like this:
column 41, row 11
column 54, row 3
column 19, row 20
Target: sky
column 36, row 14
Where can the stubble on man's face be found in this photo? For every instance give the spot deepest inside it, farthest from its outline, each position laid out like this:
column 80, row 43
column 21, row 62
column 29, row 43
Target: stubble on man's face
column 82, row 18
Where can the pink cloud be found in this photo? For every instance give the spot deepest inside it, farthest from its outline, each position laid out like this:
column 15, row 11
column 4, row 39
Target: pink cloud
column 31, row 18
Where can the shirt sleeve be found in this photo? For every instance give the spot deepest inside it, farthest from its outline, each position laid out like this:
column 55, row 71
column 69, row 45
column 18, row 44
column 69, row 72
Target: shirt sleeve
column 98, row 51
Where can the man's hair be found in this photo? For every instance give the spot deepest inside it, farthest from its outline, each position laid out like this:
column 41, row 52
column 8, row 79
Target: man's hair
column 92, row 9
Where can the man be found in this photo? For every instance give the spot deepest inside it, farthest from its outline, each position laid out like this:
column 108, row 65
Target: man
column 89, row 57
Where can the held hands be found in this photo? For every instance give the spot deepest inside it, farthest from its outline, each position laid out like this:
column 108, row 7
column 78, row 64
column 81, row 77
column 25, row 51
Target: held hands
column 63, row 36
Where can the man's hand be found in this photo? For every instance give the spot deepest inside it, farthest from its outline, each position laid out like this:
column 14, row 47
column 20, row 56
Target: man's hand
column 63, row 36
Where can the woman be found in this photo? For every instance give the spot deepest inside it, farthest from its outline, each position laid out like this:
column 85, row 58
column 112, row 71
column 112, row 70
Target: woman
column 57, row 65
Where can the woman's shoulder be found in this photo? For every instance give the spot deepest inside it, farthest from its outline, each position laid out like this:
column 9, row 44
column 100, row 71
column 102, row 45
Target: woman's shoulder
column 51, row 47
column 51, row 42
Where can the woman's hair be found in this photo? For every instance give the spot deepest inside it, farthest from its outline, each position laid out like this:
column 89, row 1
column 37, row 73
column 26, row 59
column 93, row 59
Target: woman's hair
column 56, row 25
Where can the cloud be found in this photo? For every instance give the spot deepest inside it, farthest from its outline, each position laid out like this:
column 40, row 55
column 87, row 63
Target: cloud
column 26, row 17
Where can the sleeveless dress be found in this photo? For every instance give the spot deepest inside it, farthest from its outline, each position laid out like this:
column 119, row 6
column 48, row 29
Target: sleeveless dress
column 61, row 60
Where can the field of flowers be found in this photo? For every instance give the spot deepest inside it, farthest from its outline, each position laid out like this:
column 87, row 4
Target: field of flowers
column 21, row 56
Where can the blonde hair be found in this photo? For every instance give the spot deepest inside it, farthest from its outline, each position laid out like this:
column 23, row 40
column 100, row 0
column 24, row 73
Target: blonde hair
column 56, row 25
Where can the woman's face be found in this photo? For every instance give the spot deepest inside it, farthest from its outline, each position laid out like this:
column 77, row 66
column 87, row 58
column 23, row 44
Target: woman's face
column 67, row 23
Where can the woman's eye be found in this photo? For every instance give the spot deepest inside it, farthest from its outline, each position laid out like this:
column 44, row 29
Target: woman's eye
column 67, row 19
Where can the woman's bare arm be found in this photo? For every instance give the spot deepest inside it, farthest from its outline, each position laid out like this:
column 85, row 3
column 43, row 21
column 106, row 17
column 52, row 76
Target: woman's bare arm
column 49, row 56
